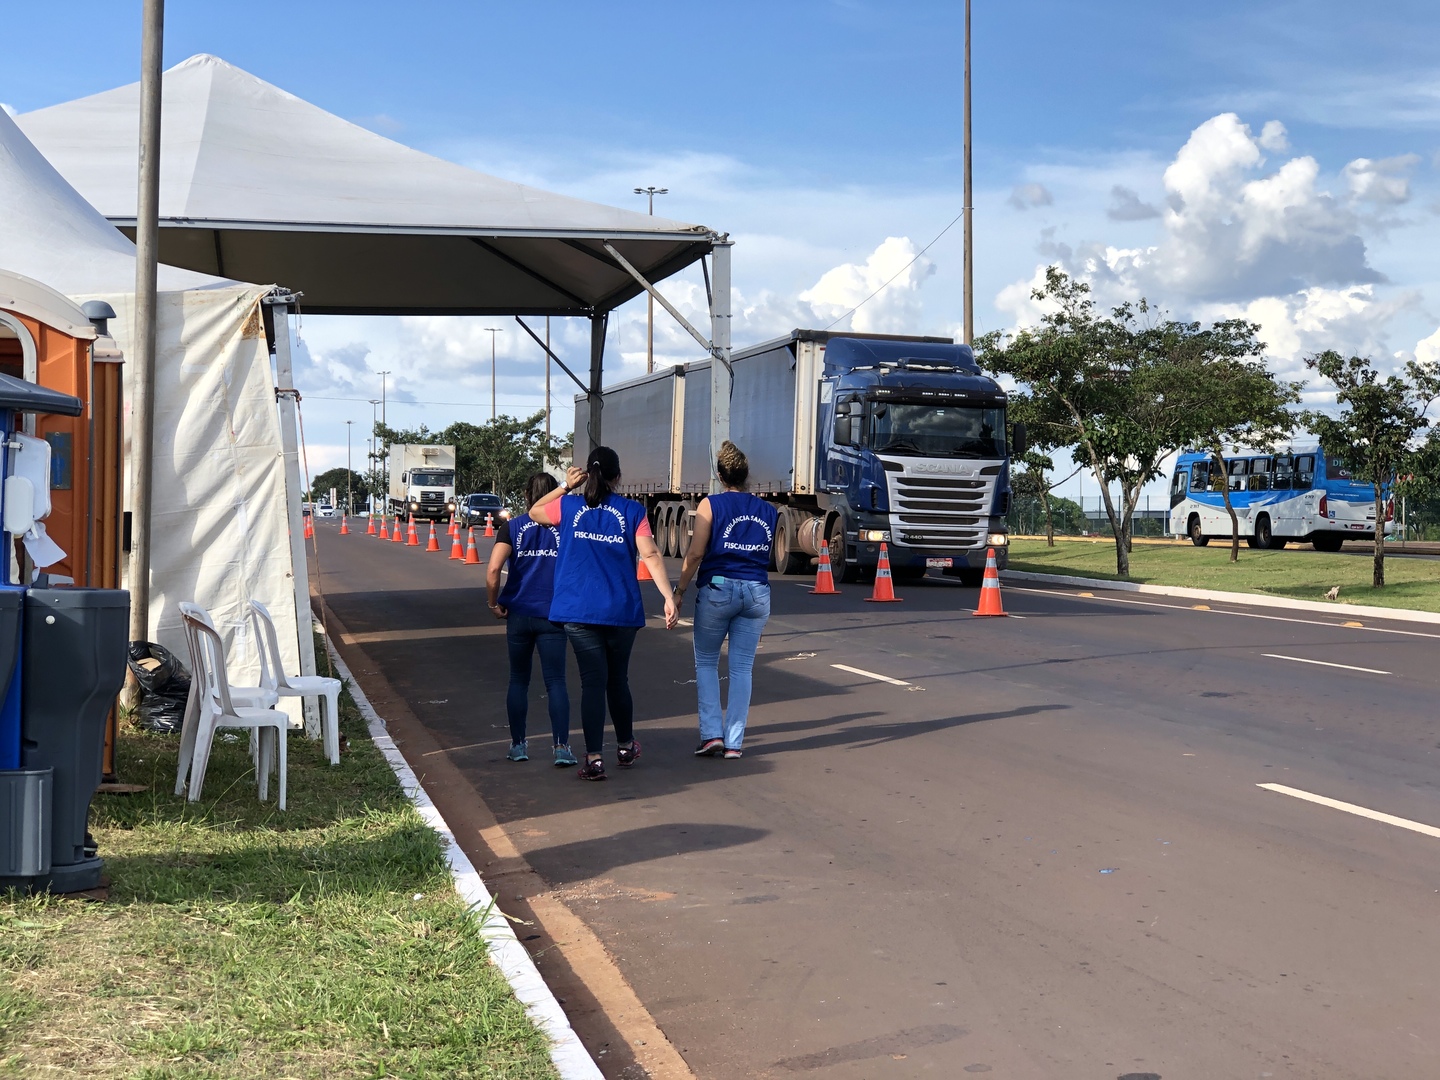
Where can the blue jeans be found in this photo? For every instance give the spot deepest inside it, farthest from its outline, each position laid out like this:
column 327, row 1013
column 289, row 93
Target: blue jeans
column 524, row 634
column 740, row 609
column 603, row 655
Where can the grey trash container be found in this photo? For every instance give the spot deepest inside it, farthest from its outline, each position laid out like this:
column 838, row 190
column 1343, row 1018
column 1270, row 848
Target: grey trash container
column 24, row 826
column 72, row 666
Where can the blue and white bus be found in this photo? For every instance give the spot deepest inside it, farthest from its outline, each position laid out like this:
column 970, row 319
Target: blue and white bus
column 1301, row 494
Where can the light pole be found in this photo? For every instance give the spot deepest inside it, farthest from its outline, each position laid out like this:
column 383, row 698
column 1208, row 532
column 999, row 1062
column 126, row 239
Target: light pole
column 384, row 467
column 349, row 505
column 651, row 192
column 370, row 499
column 493, row 331
column 969, row 210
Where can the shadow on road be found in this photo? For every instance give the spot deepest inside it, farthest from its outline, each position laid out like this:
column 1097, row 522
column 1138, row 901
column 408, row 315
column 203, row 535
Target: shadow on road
column 580, row 860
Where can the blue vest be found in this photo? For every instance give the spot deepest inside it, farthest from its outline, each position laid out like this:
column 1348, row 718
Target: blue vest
column 595, row 574
column 531, row 584
column 741, row 532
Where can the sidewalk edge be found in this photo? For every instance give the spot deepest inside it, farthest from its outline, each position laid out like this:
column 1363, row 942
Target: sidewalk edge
column 571, row 1059
column 1249, row 599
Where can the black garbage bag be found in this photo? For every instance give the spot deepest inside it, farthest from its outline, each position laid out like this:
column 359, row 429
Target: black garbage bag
column 164, row 686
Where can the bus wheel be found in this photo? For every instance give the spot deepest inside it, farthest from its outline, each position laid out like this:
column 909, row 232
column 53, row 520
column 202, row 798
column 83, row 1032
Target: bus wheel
column 1328, row 541
column 1264, row 537
column 1197, row 538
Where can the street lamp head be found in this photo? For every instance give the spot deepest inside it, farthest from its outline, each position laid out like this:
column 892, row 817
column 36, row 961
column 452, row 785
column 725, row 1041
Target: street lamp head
column 652, row 191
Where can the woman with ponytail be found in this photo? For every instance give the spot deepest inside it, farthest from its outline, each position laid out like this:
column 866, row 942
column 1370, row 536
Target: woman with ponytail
column 597, row 596
column 734, row 531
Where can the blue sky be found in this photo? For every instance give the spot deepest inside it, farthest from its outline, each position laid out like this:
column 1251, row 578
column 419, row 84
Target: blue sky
column 826, row 137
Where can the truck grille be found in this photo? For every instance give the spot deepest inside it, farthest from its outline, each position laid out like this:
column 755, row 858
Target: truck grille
column 432, row 498
column 941, row 513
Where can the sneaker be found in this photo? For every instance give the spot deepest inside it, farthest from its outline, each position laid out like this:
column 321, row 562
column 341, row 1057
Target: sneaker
column 517, row 752
column 591, row 770
column 730, row 755
column 628, row 755
column 564, row 756
column 709, row 747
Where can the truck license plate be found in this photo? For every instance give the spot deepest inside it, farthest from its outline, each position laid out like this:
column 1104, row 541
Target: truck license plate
column 939, row 562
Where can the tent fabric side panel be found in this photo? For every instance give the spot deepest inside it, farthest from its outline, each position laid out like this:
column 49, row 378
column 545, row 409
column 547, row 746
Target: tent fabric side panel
column 220, row 535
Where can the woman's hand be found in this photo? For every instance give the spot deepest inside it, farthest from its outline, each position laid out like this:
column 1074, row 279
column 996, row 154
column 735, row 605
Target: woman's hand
column 498, row 611
column 672, row 614
column 574, row 478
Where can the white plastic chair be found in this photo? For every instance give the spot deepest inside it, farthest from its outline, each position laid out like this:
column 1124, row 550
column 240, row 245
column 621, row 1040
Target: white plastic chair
column 252, row 697
column 273, row 677
column 217, row 709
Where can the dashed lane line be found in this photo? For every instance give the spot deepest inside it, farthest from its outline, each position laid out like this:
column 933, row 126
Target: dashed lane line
column 1351, row 808
column 870, row 674
column 1327, row 663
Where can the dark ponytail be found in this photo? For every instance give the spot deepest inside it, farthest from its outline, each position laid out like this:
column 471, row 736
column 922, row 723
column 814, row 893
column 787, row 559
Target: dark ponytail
column 537, row 487
column 602, row 470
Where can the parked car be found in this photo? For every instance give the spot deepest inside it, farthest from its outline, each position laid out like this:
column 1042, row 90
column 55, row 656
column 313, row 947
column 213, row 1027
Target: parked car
column 473, row 508
column 324, row 510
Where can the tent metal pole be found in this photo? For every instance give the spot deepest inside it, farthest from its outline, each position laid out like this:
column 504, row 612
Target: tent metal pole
column 287, row 397
column 597, row 399
column 147, row 243
column 722, row 375
column 969, row 209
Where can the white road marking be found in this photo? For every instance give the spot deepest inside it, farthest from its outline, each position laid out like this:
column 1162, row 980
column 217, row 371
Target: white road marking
column 1326, row 663
column 870, row 674
column 1351, row 808
column 1222, row 611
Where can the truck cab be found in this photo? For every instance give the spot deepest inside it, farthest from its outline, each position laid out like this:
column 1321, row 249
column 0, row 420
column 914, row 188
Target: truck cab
column 912, row 450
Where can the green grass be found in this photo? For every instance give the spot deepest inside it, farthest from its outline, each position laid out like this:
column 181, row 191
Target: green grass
column 238, row 941
column 1297, row 573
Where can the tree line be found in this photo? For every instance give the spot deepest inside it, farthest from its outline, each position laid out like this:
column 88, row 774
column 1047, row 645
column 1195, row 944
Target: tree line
column 1122, row 390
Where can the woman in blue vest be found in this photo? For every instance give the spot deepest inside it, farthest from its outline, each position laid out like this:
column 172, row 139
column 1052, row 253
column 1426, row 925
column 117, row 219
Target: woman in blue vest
column 530, row 549
column 597, row 596
column 731, row 550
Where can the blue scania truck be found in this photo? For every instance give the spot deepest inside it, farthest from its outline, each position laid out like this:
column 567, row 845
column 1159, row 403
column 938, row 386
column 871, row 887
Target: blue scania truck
column 854, row 438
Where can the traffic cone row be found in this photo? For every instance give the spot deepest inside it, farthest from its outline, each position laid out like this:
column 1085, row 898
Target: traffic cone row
column 884, row 591
column 990, row 587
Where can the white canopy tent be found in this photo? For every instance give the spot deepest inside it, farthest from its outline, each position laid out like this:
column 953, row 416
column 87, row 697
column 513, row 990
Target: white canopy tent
column 219, row 494
column 257, row 183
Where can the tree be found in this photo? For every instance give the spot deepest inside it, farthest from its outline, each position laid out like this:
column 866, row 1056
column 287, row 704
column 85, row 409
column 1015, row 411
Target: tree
column 499, row 456
column 1226, row 395
column 335, row 478
column 1378, row 422
column 1101, row 385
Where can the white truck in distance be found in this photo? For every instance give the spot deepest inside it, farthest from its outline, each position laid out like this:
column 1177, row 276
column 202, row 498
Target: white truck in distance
column 422, row 480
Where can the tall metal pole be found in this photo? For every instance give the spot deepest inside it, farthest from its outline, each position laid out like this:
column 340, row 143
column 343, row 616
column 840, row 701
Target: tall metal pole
column 349, row 496
column 547, row 383
column 650, row 300
column 373, row 457
column 493, row 331
column 969, row 207
column 147, row 243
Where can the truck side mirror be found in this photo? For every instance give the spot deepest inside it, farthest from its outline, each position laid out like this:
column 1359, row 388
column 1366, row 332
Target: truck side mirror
column 842, row 431
column 1019, row 440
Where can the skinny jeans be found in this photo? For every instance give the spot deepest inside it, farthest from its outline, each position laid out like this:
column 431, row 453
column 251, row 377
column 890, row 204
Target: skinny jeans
column 603, row 655
column 525, row 635
column 740, row 610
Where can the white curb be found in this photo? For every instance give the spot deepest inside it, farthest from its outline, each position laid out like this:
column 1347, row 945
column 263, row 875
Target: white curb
column 571, row 1059
column 1248, row 599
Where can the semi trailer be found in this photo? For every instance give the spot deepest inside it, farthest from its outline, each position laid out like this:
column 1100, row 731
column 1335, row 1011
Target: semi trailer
column 422, row 480
column 856, row 439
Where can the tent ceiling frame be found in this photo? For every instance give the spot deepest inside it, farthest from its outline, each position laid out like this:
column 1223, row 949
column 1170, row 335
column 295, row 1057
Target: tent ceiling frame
column 705, row 343
column 548, row 352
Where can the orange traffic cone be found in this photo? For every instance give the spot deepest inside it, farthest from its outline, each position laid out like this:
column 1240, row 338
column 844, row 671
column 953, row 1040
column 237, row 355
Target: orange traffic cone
column 454, row 528
column 884, row 591
column 309, row 527
column 434, row 544
column 397, row 534
column 471, row 555
column 370, row 525
column 489, row 526
column 412, row 540
column 642, row 572
column 456, row 551
column 384, row 527
column 344, row 525
column 824, row 579
column 990, row 588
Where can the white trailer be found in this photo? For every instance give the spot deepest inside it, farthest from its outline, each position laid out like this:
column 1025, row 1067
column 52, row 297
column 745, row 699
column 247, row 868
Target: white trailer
column 422, row 480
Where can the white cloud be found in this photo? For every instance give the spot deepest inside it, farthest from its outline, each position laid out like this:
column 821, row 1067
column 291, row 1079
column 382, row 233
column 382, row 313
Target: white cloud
column 894, row 269
column 1384, row 182
column 1126, row 205
column 1273, row 137
column 1028, row 196
column 1427, row 350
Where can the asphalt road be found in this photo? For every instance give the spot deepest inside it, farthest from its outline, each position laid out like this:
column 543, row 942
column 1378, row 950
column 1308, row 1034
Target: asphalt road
column 1046, row 854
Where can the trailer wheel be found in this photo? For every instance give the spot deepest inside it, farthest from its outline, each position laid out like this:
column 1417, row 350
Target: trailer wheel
column 682, row 532
column 664, row 537
column 843, row 568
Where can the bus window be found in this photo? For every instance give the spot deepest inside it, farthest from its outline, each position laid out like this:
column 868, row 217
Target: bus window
column 1335, row 468
column 1199, row 475
column 1180, row 483
column 1304, row 472
column 1284, row 476
column 1259, row 481
column 1239, row 466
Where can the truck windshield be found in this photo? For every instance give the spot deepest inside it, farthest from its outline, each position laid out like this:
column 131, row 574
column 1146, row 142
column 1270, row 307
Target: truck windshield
column 937, row 430
column 434, row 478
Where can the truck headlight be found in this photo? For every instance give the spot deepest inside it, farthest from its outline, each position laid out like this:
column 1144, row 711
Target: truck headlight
column 997, row 540
column 875, row 536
